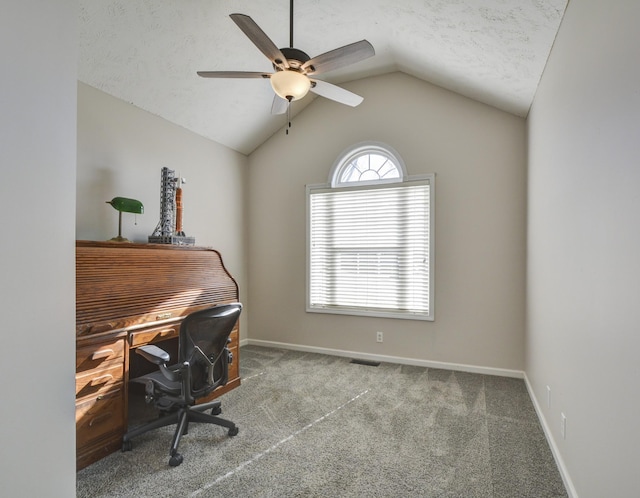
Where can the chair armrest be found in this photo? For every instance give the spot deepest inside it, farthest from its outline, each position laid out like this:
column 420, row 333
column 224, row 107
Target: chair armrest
column 154, row 354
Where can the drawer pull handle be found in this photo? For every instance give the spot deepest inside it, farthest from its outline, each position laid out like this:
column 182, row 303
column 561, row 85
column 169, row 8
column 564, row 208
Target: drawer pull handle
column 103, row 353
column 103, row 379
column 99, row 419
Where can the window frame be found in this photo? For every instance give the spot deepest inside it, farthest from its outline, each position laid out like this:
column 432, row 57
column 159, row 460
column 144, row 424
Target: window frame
column 333, row 185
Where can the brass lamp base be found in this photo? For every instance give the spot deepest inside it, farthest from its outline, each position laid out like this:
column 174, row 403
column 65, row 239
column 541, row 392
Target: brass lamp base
column 119, row 239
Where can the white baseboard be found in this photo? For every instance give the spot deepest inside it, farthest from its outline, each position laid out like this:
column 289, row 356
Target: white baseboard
column 518, row 374
column 564, row 473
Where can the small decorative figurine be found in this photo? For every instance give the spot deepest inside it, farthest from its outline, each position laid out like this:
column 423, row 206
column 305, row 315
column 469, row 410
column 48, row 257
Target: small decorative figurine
column 169, row 229
column 124, row 205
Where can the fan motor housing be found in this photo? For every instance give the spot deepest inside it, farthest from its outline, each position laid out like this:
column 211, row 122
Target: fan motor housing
column 296, row 58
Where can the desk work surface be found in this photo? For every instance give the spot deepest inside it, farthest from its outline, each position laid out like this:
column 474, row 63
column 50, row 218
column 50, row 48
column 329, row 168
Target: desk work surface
column 128, row 295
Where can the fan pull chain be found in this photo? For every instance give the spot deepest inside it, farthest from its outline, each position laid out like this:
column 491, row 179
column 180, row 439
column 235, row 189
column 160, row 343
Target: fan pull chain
column 291, row 45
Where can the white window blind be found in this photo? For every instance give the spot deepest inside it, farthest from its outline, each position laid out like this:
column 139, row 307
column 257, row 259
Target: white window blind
column 369, row 250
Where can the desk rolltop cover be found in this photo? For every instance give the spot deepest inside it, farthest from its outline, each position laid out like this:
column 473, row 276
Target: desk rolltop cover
column 122, row 285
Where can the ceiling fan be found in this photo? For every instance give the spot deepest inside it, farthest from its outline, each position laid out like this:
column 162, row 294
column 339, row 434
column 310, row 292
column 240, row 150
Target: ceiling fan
column 295, row 71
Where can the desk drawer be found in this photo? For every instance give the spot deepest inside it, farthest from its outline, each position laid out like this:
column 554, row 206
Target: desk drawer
column 99, row 416
column 94, row 381
column 99, row 355
column 149, row 336
column 234, row 335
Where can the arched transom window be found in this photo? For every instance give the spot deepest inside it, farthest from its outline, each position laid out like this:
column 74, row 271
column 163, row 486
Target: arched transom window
column 368, row 162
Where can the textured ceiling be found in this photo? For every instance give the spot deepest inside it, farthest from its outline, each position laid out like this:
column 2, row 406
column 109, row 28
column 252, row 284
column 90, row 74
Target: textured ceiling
column 147, row 52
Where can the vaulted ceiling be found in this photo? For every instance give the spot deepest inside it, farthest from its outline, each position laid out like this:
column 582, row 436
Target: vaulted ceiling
column 147, row 52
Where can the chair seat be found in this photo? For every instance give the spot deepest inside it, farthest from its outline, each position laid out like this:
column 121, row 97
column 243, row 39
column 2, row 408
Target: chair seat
column 160, row 382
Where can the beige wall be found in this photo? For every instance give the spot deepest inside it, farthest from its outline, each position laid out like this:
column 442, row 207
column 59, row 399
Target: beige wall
column 38, row 50
column 121, row 151
column 584, row 247
column 478, row 156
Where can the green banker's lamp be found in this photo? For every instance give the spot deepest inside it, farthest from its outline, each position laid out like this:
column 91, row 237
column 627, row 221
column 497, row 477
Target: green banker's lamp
column 124, row 205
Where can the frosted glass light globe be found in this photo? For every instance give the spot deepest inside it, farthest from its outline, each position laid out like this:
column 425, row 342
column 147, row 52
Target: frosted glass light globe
column 290, row 85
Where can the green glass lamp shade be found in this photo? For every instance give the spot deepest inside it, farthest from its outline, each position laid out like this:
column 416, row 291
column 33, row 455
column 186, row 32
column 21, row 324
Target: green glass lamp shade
column 124, row 205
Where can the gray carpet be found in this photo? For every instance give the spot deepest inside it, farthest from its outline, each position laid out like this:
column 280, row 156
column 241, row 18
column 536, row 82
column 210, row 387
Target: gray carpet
column 320, row 426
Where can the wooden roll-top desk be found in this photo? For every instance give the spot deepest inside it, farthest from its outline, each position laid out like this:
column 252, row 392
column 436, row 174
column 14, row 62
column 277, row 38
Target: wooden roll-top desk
column 128, row 295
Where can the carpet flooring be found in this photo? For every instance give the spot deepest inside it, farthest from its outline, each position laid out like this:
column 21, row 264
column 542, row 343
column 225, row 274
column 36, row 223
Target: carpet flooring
column 313, row 425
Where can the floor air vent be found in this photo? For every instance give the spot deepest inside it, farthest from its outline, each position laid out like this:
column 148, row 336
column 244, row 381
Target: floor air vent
column 365, row 362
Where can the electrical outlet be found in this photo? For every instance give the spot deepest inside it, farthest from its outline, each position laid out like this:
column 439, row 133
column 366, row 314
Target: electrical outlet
column 563, row 425
column 379, row 336
column 548, row 396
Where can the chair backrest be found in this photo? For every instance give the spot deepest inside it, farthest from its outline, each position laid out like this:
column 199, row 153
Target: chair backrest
column 203, row 341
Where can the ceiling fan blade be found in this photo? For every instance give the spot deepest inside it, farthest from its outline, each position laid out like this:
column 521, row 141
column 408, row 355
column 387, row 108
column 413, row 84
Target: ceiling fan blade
column 232, row 74
column 336, row 93
column 260, row 39
column 279, row 105
column 339, row 57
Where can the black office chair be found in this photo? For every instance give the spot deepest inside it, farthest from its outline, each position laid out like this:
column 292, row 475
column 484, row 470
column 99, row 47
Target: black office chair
column 203, row 366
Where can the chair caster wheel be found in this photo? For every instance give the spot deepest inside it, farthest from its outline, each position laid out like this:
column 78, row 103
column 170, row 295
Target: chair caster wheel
column 175, row 460
column 127, row 446
column 216, row 410
column 234, row 431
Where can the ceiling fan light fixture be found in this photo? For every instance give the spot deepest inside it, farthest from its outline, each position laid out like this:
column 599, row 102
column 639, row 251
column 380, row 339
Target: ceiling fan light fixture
column 290, row 85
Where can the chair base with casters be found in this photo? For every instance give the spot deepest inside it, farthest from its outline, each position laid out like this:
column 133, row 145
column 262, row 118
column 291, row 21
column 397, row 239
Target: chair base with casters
column 181, row 417
column 174, row 390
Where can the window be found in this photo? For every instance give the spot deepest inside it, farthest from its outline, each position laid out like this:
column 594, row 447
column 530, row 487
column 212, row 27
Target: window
column 370, row 238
